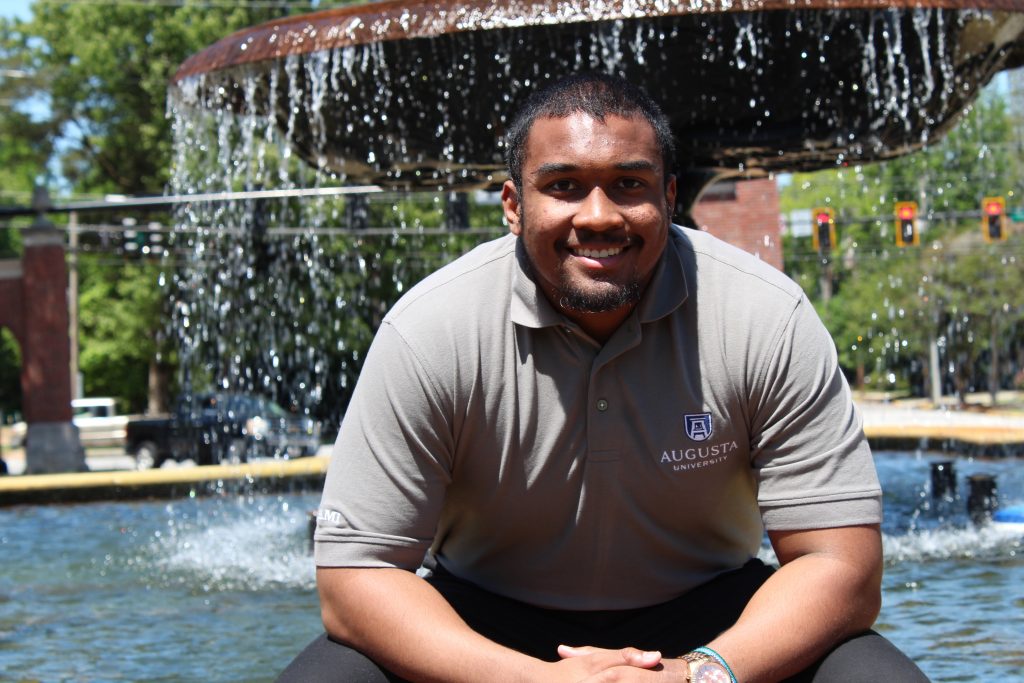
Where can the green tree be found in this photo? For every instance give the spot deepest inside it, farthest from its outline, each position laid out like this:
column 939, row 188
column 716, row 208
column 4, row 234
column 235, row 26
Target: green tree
column 118, row 305
column 890, row 304
column 91, row 99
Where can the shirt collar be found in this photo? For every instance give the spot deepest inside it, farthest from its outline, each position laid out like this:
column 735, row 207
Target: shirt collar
column 668, row 287
column 530, row 307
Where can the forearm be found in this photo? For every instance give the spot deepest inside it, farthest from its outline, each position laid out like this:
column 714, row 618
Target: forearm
column 813, row 602
column 400, row 621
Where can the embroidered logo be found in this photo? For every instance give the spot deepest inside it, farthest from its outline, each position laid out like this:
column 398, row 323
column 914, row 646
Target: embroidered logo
column 698, row 426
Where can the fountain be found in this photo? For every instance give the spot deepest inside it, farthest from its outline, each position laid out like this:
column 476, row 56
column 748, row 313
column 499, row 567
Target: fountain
column 281, row 297
column 417, row 94
column 270, row 294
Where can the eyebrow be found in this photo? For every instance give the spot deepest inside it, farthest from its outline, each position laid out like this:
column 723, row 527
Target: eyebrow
column 554, row 167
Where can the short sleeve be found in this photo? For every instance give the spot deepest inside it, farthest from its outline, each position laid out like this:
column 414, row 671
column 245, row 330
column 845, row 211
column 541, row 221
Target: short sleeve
column 813, row 466
column 390, row 466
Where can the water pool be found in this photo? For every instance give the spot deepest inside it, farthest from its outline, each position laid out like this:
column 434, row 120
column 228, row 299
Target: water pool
column 222, row 588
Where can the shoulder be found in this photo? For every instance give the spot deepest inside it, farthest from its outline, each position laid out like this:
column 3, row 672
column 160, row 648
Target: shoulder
column 476, row 282
column 742, row 306
column 727, row 273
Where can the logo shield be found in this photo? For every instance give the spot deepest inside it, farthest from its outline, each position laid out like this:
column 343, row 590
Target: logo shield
column 698, row 426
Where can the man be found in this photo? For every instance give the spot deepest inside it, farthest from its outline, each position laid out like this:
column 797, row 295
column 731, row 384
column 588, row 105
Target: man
column 582, row 430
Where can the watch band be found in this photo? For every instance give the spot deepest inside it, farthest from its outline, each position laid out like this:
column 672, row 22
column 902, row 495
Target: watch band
column 707, row 666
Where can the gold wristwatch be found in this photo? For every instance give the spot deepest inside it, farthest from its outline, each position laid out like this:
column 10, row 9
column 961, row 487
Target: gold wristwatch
column 705, row 669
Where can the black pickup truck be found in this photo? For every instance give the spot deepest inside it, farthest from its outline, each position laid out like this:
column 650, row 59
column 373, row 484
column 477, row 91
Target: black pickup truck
column 221, row 427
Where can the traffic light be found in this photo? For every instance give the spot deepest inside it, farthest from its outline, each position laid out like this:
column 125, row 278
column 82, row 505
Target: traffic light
column 907, row 234
column 993, row 219
column 824, row 233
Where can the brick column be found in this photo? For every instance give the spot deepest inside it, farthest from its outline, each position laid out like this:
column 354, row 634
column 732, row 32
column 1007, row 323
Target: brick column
column 52, row 443
column 744, row 213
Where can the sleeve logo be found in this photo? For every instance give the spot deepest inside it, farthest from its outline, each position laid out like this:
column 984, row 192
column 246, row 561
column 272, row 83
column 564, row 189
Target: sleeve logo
column 698, row 426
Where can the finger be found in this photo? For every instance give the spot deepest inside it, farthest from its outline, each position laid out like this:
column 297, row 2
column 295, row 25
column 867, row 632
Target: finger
column 630, row 656
column 644, row 659
column 569, row 651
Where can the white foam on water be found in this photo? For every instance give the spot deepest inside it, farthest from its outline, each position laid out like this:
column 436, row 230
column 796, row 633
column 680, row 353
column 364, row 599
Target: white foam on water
column 989, row 542
column 249, row 553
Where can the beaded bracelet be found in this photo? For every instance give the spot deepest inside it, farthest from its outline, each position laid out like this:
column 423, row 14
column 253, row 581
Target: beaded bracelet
column 718, row 658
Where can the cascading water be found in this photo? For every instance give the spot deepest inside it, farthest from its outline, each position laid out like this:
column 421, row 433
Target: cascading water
column 758, row 91
column 415, row 96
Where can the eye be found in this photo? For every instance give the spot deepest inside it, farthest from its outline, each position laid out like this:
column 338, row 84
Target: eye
column 562, row 185
column 631, row 183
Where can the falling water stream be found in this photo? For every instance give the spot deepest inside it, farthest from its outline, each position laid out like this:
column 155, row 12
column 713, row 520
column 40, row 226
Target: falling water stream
column 281, row 295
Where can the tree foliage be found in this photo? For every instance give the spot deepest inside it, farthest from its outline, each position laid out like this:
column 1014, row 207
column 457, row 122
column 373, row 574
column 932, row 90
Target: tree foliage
column 889, row 305
column 87, row 115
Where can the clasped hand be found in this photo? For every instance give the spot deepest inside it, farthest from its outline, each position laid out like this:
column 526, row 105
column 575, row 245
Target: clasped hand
column 594, row 665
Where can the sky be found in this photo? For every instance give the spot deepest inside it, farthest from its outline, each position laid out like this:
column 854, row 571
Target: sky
column 15, row 8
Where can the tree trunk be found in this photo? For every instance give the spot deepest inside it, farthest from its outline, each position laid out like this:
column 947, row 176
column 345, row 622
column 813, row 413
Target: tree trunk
column 159, row 381
column 993, row 361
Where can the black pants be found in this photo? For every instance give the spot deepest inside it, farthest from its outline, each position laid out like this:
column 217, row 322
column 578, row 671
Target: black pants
column 673, row 628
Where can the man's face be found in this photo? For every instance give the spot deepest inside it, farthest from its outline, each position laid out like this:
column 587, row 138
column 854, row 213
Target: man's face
column 593, row 214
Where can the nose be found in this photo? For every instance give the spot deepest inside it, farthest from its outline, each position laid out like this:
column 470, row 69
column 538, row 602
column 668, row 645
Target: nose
column 599, row 212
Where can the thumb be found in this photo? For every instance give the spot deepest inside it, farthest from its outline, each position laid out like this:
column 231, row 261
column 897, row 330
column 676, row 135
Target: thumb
column 568, row 651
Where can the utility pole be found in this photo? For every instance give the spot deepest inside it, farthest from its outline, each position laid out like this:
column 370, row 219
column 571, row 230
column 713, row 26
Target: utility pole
column 934, row 371
column 76, row 386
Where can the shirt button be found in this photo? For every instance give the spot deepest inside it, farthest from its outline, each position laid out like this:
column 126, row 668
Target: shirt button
column 602, row 404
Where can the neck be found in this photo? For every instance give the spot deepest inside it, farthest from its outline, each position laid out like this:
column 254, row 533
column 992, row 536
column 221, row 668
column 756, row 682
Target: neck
column 600, row 326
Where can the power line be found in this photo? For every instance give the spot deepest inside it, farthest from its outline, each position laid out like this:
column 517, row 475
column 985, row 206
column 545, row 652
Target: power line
column 115, row 201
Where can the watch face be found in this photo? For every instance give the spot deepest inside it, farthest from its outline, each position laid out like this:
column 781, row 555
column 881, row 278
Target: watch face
column 710, row 672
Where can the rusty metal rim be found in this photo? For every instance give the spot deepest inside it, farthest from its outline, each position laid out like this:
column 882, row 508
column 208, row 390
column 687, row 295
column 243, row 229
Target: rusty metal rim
column 402, row 19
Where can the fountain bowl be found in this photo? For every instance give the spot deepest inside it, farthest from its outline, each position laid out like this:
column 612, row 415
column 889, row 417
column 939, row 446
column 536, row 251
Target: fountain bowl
column 418, row 94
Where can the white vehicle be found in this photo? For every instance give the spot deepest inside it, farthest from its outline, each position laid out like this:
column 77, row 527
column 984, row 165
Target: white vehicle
column 97, row 420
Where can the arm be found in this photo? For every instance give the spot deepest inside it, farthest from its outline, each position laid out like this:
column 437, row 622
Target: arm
column 400, row 621
column 827, row 589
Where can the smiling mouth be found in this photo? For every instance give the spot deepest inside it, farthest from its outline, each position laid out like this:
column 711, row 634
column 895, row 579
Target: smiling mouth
column 607, row 252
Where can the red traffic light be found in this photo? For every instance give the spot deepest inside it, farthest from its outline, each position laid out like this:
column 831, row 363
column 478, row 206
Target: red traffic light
column 993, row 208
column 906, row 224
column 824, row 232
column 993, row 219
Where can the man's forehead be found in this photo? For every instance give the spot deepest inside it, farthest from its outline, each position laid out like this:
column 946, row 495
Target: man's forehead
column 581, row 126
column 589, row 120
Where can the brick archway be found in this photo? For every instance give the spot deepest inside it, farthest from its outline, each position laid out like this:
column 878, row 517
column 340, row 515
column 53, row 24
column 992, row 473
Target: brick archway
column 33, row 305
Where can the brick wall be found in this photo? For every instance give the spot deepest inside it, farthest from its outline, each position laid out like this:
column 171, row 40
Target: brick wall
column 45, row 343
column 744, row 213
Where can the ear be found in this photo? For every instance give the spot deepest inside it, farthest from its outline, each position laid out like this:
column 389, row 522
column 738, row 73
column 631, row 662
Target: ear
column 670, row 195
column 511, row 206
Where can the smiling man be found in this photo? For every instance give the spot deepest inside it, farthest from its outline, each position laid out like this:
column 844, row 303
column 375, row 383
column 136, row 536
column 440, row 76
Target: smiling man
column 565, row 448
column 598, row 214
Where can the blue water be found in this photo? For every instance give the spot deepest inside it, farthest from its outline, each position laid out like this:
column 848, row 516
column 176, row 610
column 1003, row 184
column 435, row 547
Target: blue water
column 222, row 588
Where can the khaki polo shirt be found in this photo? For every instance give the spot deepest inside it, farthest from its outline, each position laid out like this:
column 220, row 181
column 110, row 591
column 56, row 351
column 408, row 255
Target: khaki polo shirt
column 491, row 431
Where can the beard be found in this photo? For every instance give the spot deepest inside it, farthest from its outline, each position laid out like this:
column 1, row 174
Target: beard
column 600, row 296
column 592, row 296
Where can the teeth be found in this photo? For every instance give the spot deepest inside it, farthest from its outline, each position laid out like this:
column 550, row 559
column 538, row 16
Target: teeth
column 598, row 253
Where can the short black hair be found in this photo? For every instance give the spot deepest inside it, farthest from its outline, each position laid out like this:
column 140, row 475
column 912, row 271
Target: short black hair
column 595, row 94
